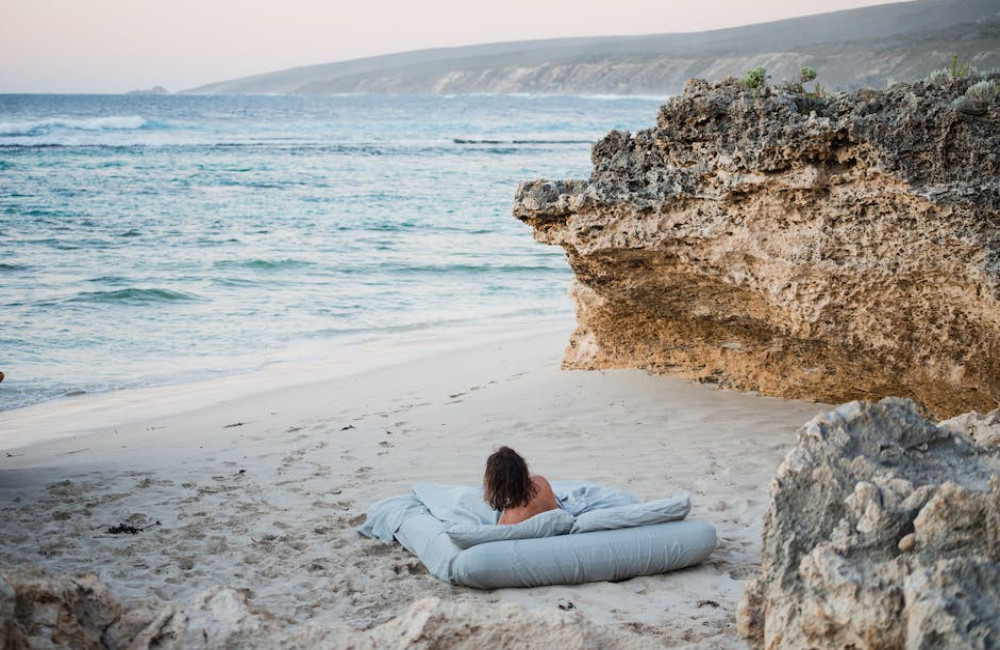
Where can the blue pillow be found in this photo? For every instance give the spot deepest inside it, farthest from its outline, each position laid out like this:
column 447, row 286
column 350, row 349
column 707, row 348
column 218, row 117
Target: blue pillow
column 545, row 524
column 456, row 504
column 636, row 514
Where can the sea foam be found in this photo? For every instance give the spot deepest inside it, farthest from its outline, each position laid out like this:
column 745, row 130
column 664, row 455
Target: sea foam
column 44, row 127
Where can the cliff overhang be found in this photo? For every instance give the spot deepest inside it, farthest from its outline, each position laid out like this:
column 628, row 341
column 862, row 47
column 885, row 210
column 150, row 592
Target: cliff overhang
column 827, row 249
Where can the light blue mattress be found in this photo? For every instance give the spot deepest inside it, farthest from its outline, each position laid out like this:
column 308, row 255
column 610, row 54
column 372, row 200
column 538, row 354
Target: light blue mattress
column 421, row 523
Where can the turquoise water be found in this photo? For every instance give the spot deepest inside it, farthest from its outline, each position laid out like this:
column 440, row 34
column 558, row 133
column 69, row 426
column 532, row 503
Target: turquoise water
column 161, row 240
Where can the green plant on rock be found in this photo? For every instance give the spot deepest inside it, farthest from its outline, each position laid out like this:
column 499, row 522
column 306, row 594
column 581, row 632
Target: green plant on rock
column 957, row 70
column 807, row 74
column 818, row 92
column 939, row 75
column 978, row 98
column 755, row 77
column 960, row 69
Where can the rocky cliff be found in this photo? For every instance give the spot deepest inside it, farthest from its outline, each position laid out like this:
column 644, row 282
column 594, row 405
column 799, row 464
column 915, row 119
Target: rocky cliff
column 817, row 248
column 883, row 532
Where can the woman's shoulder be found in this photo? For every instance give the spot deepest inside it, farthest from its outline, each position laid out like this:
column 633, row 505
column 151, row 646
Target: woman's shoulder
column 541, row 482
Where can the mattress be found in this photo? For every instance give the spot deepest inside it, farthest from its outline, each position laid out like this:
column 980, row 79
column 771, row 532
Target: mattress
column 422, row 521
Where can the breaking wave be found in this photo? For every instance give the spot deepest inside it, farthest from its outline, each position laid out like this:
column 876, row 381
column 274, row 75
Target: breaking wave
column 91, row 124
column 133, row 296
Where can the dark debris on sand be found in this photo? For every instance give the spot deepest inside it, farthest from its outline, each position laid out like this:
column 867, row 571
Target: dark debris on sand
column 126, row 529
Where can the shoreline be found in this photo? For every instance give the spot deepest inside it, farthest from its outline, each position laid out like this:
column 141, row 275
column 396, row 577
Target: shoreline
column 80, row 414
column 264, row 491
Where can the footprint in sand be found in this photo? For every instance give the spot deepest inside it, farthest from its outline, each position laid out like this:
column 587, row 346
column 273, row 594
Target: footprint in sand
column 315, row 566
column 321, row 471
column 292, row 458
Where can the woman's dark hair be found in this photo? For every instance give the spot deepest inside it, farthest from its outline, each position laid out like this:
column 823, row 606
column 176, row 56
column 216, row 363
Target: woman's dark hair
column 507, row 483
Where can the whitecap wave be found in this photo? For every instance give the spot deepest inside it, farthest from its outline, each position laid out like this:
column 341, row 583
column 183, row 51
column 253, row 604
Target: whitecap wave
column 91, row 124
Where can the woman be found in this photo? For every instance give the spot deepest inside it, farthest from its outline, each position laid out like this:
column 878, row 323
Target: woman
column 509, row 488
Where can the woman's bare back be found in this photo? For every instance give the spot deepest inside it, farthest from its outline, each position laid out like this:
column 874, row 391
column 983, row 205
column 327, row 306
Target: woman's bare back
column 543, row 501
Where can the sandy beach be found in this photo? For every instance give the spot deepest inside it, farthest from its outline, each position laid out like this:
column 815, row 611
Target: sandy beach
column 260, row 482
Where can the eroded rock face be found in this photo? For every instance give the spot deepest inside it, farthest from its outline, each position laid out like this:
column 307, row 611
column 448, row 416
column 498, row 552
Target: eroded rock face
column 41, row 610
column 37, row 611
column 825, row 249
column 883, row 532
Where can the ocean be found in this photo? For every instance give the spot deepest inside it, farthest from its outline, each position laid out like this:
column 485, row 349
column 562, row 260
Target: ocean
column 160, row 240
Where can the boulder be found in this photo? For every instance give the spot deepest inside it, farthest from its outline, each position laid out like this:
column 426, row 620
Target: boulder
column 38, row 610
column 883, row 531
column 828, row 249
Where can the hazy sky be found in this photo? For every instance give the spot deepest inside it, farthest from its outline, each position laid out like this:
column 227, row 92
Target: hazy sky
column 119, row 45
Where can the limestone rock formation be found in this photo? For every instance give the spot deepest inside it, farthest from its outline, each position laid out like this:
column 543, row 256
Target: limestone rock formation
column 40, row 610
column 883, row 532
column 37, row 611
column 818, row 248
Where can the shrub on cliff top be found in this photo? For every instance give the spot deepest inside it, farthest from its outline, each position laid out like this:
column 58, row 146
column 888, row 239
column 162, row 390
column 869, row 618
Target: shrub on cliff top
column 755, row 77
column 978, row 98
column 807, row 74
column 939, row 75
column 958, row 70
column 818, row 92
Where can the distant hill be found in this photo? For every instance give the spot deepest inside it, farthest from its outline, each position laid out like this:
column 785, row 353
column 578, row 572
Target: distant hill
column 870, row 46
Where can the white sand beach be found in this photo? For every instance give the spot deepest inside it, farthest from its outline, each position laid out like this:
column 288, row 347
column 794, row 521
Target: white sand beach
column 260, row 482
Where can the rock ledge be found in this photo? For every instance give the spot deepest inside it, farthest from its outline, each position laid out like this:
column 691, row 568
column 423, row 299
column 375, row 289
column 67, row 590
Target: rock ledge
column 826, row 249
